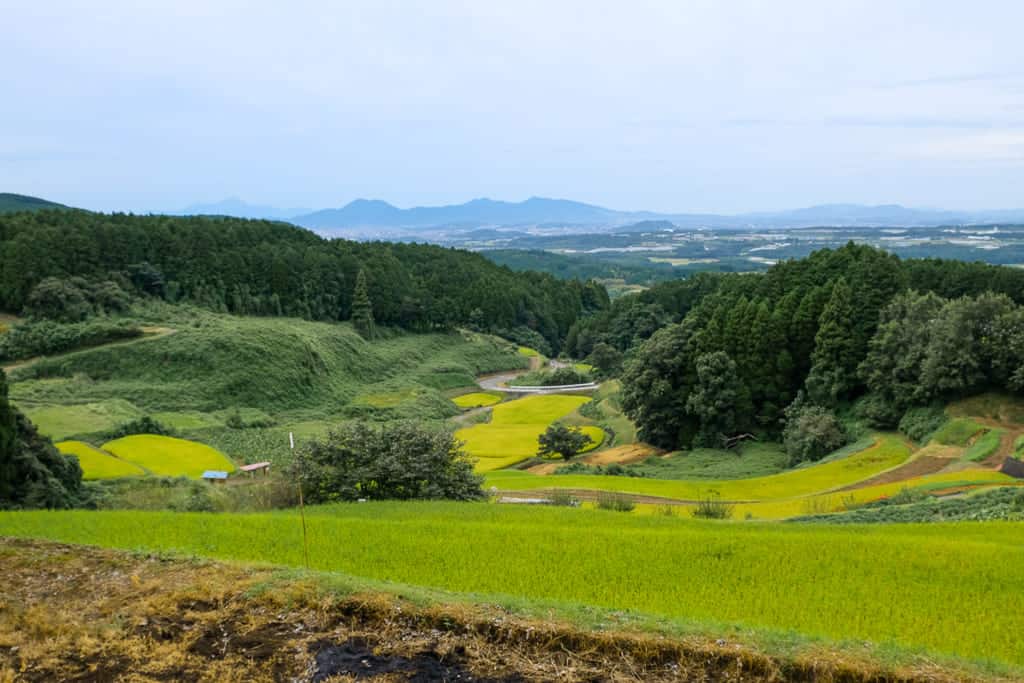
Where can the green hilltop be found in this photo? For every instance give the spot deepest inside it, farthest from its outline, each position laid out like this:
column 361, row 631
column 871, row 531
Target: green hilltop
column 10, row 203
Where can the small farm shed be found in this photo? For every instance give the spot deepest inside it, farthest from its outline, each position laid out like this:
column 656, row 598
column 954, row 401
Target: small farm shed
column 263, row 467
column 215, row 476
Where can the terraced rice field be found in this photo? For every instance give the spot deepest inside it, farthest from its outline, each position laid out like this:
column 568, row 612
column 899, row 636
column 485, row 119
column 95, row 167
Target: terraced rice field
column 511, row 435
column 167, row 456
column 889, row 451
column 62, row 421
column 476, row 399
column 98, row 464
column 947, row 589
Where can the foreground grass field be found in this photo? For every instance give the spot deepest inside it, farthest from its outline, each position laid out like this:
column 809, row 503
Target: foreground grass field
column 167, row 456
column 511, row 435
column 98, row 464
column 950, row 589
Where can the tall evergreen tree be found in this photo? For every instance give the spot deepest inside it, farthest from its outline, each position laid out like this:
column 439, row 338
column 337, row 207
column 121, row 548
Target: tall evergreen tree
column 362, row 309
column 834, row 361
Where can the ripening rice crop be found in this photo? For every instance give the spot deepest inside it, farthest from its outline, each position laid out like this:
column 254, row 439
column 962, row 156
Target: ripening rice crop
column 476, row 400
column 888, row 452
column 168, row 456
column 511, row 435
column 951, row 589
column 97, row 464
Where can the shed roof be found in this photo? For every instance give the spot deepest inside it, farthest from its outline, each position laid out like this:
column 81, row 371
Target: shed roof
column 254, row 466
column 215, row 474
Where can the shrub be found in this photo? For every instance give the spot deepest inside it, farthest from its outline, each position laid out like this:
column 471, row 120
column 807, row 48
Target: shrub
column 877, row 412
column 712, row 507
column 562, row 498
column 398, row 460
column 75, row 299
column 44, row 337
column 617, row 502
column 143, row 425
column 811, row 432
column 920, row 423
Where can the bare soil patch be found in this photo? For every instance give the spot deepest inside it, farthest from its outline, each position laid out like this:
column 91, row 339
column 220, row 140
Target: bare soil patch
column 929, row 460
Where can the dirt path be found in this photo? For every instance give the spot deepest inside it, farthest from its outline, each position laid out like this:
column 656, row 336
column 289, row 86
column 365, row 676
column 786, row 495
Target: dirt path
column 623, row 455
column 148, row 334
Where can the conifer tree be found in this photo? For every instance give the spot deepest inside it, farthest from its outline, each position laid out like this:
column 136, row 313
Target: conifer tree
column 834, row 361
column 362, row 309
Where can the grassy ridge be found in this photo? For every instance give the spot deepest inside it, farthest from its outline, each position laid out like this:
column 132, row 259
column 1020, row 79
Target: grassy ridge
column 948, row 588
column 273, row 364
column 888, row 452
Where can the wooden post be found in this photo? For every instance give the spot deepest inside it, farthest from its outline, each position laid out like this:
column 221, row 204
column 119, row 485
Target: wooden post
column 302, row 506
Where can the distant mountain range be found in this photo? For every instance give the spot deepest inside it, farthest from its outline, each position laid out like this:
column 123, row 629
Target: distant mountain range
column 370, row 216
column 554, row 213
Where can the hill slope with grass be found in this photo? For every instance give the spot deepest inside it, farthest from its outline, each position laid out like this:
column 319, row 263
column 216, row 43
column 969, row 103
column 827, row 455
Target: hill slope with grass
column 214, row 362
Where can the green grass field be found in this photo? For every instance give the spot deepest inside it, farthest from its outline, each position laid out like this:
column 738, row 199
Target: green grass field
column 984, row 446
column 98, row 464
column 61, row 421
column 888, row 452
column 511, row 435
column 476, row 399
column 168, row 456
column 950, row 589
column 957, row 432
column 750, row 460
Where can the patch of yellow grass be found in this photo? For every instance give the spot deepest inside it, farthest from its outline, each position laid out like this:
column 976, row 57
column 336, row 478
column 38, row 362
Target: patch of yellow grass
column 168, row 456
column 97, row 464
column 476, row 400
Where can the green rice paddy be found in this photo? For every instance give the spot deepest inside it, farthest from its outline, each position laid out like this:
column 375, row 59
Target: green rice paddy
column 511, row 435
column 950, row 589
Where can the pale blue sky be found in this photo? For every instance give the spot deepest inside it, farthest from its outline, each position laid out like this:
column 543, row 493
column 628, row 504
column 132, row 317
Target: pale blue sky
column 671, row 106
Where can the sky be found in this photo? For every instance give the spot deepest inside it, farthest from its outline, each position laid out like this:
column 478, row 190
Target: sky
column 665, row 106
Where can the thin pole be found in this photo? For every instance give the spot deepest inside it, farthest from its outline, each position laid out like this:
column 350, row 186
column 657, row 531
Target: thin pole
column 302, row 507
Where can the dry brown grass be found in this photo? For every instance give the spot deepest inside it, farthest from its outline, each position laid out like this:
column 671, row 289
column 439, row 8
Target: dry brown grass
column 84, row 614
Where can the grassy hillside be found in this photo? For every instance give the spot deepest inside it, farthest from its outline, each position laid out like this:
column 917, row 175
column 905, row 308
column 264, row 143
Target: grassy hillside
column 216, row 362
column 883, row 584
column 9, row 203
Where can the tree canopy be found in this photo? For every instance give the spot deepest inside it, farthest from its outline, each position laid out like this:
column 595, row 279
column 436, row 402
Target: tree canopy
column 844, row 325
column 69, row 263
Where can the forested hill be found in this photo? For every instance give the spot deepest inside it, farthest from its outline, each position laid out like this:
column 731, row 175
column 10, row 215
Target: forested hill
column 10, row 203
column 718, row 355
column 268, row 268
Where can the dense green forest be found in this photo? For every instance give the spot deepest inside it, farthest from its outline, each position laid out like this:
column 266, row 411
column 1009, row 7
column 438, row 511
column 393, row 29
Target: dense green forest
column 69, row 264
column 850, row 330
